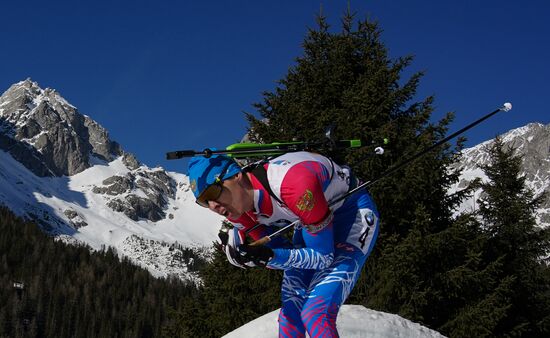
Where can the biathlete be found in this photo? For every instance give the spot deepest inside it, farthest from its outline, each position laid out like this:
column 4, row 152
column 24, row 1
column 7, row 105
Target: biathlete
column 329, row 246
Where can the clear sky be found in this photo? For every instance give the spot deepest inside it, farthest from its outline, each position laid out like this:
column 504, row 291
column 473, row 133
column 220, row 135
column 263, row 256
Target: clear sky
column 167, row 75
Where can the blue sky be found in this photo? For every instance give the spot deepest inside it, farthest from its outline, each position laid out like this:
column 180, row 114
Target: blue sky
column 167, row 75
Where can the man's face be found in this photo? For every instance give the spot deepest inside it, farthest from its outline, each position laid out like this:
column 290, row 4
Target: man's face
column 234, row 199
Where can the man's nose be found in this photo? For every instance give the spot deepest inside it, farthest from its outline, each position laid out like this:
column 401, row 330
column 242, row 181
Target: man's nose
column 214, row 206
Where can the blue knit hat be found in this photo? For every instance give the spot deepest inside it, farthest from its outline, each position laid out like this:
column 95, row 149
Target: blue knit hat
column 205, row 171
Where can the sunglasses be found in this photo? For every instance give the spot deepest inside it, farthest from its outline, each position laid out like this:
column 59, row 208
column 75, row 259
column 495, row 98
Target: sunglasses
column 214, row 190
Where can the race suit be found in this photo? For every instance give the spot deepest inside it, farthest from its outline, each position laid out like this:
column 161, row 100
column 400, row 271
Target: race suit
column 330, row 246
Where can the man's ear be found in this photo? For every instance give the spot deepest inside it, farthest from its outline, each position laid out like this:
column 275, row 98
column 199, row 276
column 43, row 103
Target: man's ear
column 238, row 177
column 243, row 180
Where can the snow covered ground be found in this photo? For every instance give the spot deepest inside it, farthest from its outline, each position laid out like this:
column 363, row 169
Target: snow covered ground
column 354, row 321
column 147, row 243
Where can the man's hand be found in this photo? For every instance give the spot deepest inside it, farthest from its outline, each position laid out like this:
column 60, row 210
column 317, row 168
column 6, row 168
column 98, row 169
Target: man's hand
column 230, row 241
column 257, row 254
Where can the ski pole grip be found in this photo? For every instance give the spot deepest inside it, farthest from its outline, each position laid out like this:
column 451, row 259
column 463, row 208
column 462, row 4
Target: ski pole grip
column 175, row 155
column 261, row 241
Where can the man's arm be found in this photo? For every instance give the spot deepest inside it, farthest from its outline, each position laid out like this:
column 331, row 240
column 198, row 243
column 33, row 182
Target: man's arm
column 247, row 222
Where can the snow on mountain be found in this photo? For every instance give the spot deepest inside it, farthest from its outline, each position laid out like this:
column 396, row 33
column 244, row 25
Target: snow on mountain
column 87, row 189
column 67, row 208
column 532, row 143
column 60, row 168
column 48, row 135
column 354, row 321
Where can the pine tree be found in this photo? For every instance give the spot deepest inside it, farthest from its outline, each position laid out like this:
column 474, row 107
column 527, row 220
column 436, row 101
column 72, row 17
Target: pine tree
column 507, row 209
column 348, row 79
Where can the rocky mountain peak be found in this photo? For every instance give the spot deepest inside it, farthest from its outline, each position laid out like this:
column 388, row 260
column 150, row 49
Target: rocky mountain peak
column 532, row 143
column 47, row 134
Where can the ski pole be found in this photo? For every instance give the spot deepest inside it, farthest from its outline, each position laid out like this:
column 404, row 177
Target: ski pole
column 506, row 107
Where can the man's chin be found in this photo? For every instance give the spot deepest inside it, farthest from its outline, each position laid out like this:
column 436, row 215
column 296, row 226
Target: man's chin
column 233, row 215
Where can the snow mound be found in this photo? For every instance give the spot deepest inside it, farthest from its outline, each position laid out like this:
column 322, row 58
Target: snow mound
column 354, row 321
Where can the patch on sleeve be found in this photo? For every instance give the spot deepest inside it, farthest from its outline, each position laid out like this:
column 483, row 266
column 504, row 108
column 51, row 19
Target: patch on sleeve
column 306, row 202
column 314, row 228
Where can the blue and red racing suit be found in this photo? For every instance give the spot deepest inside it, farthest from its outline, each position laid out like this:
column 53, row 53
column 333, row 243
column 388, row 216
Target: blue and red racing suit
column 330, row 246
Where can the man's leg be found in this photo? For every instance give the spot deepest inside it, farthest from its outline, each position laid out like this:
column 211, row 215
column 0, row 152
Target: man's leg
column 319, row 294
column 330, row 288
column 293, row 295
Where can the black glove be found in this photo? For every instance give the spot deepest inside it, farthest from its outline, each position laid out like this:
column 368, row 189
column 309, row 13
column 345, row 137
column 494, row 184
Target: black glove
column 258, row 254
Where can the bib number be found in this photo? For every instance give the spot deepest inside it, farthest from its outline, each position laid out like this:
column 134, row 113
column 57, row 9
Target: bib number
column 362, row 232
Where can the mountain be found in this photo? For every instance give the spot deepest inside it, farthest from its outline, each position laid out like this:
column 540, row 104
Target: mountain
column 47, row 134
column 532, row 143
column 60, row 168
column 353, row 321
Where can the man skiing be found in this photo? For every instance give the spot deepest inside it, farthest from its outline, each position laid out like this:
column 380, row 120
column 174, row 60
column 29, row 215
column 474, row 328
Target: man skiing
column 329, row 246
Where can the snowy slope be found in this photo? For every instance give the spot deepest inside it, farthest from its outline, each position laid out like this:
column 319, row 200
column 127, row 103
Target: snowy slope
column 52, row 200
column 60, row 168
column 354, row 321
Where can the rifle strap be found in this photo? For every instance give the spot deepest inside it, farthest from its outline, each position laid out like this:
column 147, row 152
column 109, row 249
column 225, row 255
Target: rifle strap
column 261, row 175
